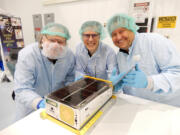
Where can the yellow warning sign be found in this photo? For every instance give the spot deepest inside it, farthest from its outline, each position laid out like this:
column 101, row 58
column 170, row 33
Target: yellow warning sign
column 167, row 22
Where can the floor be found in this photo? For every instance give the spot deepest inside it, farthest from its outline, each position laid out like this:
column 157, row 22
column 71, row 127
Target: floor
column 7, row 105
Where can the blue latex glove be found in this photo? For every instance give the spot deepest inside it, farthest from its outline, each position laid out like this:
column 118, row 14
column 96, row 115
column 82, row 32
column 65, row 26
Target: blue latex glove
column 41, row 104
column 115, row 79
column 118, row 86
column 136, row 78
column 78, row 78
column 1, row 65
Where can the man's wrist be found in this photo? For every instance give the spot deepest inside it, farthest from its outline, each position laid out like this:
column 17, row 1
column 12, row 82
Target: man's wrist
column 36, row 102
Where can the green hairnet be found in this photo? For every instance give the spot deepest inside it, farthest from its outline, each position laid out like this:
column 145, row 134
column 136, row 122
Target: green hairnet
column 55, row 29
column 121, row 20
column 92, row 26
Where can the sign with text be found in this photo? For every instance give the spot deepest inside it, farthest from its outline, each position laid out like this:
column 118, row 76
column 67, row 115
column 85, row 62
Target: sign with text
column 11, row 39
column 141, row 11
column 167, row 22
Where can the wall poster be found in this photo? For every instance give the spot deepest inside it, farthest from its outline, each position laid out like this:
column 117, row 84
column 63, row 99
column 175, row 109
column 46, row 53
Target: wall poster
column 11, row 37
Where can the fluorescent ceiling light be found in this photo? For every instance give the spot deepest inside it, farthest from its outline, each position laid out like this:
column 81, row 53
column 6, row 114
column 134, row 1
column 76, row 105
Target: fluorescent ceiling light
column 49, row 2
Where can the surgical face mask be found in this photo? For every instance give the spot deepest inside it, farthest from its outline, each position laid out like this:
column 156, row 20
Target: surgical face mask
column 53, row 50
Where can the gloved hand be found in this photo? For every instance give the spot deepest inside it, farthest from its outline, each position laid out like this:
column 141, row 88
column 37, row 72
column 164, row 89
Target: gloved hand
column 136, row 78
column 115, row 79
column 41, row 104
column 78, row 78
column 118, row 86
column 1, row 65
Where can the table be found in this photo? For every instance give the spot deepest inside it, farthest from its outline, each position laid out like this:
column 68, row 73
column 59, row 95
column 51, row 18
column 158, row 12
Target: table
column 128, row 116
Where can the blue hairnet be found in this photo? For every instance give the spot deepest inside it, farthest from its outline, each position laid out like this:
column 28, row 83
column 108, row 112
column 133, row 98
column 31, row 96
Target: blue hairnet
column 55, row 29
column 92, row 26
column 121, row 20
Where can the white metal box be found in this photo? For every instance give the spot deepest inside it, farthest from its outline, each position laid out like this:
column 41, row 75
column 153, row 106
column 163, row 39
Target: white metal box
column 75, row 104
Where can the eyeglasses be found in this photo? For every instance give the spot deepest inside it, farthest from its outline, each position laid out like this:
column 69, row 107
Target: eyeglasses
column 87, row 36
column 59, row 41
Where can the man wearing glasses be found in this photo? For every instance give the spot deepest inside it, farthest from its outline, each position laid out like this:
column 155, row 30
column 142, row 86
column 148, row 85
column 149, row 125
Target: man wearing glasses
column 42, row 68
column 93, row 57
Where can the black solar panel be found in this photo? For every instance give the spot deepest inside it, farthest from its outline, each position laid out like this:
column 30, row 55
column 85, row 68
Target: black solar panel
column 79, row 91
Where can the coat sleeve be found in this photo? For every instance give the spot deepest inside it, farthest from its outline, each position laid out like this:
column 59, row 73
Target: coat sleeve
column 24, row 80
column 168, row 61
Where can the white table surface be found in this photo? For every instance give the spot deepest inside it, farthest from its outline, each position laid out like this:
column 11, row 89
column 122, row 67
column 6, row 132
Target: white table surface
column 128, row 116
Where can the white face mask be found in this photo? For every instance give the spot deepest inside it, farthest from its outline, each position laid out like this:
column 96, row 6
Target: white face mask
column 53, row 50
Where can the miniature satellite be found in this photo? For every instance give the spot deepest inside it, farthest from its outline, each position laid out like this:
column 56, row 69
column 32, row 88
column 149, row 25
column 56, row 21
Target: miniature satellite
column 78, row 102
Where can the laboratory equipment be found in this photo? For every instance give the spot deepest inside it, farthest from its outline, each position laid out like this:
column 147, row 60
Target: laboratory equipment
column 78, row 102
